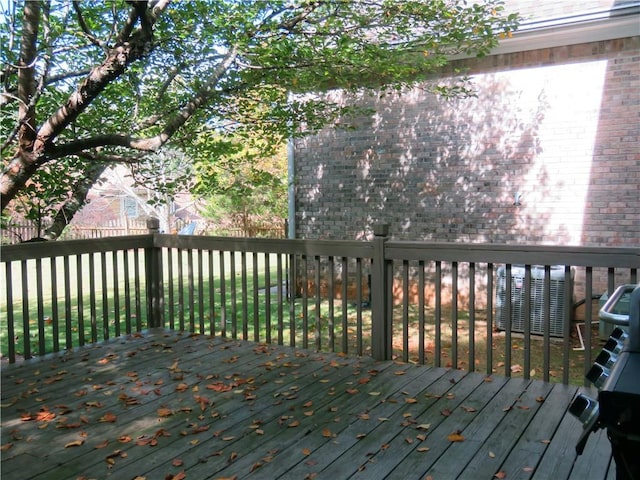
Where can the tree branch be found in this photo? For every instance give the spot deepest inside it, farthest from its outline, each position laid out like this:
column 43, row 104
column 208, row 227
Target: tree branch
column 83, row 26
column 26, row 74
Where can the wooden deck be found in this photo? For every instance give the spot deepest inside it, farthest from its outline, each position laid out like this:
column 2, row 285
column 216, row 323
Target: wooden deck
column 166, row 405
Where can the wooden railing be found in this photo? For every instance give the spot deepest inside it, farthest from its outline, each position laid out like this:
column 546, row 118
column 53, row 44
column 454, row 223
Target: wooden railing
column 432, row 303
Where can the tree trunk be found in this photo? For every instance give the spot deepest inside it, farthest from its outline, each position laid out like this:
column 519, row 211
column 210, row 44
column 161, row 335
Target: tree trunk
column 77, row 200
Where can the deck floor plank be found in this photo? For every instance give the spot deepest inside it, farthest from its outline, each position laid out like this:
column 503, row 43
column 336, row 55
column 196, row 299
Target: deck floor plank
column 442, row 455
column 158, row 404
column 533, row 443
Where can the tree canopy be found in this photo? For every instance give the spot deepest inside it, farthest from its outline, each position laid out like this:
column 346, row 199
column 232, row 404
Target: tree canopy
column 86, row 84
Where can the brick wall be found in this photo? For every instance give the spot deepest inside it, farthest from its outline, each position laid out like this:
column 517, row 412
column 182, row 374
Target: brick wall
column 556, row 128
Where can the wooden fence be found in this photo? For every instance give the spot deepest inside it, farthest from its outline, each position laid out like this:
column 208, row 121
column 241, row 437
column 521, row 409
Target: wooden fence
column 21, row 232
column 432, row 303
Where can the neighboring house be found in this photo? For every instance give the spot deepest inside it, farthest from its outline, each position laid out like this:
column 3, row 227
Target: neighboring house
column 547, row 153
column 115, row 200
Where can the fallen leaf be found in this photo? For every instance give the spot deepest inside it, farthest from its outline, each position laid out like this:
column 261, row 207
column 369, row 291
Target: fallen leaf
column 177, row 462
column 492, row 455
column 446, row 412
column 468, row 409
column 165, row 412
column 102, row 445
column 423, row 449
column 75, row 443
column 500, row 475
column 423, row 426
column 326, row 433
column 455, row 437
column 540, row 399
column 108, row 418
column 294, row 424
column 411, row 400
column 306, row 451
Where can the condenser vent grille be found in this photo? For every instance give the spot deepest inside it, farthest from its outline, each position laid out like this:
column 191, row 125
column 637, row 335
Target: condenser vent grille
column 557, row 302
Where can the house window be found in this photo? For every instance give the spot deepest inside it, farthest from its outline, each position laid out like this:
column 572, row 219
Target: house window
column 130, row 207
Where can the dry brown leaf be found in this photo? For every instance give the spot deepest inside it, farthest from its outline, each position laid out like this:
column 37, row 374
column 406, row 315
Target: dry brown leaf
column 75, row 443
column 102, row 445
column 108, row 417
column 411, row 400
column 423, row 449
column 326, row 433
column 500, row 475
column 165, row 412
column 177, row 462
column 306, row 451
column 455, row 437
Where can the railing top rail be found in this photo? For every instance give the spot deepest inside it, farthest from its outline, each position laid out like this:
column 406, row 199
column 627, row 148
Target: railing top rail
column 34, row 250
column 514, row 254
column 337, row 248
column 394, row 250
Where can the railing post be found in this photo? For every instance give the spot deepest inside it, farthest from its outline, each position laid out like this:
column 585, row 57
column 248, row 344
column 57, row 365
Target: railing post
column 153, row 271
column 381, row 328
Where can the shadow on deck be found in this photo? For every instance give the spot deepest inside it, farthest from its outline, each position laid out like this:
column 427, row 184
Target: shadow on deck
column 166, row 405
